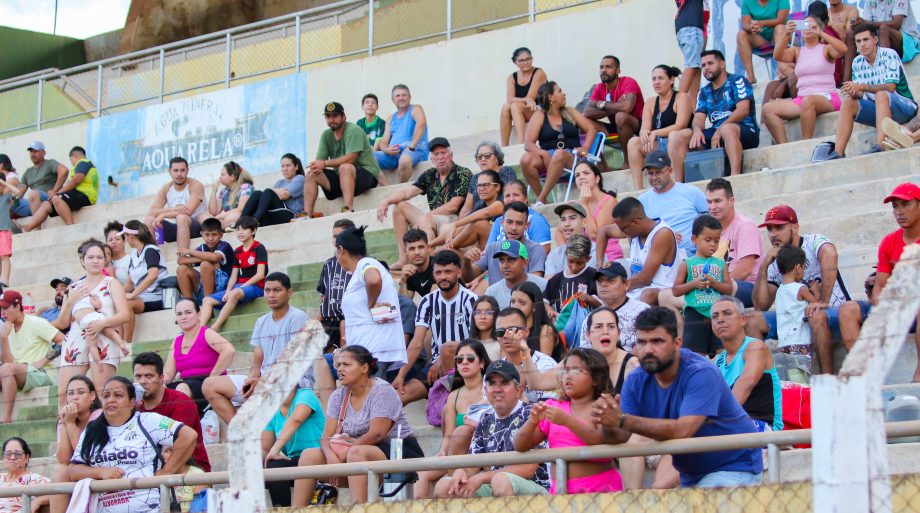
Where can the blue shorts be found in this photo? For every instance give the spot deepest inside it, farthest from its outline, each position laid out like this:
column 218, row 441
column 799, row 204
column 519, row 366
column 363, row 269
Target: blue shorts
column 220, row 283
column 865, row 307
column 749, row 139
column 250, row 293
column 902, row 109
column 690, row 41
column 745, row 292
column 728, row 478
column 22, row 208
column 833, row 320
column 392, row 161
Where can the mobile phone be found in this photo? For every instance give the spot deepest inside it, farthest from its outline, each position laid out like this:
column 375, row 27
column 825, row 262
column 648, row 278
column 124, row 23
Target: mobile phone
column 802, row 25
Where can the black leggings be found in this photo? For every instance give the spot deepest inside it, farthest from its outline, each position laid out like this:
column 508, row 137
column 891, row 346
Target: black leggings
column 280, row 491
column 267, row 208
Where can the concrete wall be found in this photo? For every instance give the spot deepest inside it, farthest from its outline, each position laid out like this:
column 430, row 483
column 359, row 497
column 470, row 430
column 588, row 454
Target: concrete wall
column 58, row 140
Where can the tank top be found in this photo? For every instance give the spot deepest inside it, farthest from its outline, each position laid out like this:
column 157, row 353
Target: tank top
column 621, row 376
column 101, row 290
column 613, row 250
column 520, row 91
column 200, row 359
column 549, row 137
column 765, row 401
column 791, row 326
column 402, row 128
column 175, row 198
column 815, row 73
column 667, row 117
column 638, row 253
column 458, row 419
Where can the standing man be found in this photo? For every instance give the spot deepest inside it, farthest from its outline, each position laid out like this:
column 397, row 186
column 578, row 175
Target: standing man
column 179, row 207
column 80, row 190
column 372, row 124
column 512, row 257
column 345, row 166
column 690, row 27
column 445, row 187
column 418, row 274
column 405, row 139
column 618, row 99
column 44, row 178
column 331, row 285
column 740, row 244
column 727, row 102
column 680, row 395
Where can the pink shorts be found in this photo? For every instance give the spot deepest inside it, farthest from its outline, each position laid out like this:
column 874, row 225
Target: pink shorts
column 607, row 481
column 6, row 243
column 833, row 97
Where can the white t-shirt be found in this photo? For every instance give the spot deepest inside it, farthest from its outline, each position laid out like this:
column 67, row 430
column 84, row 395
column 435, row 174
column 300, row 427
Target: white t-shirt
column 543, row 363
column 811, row 244
column 384, row 340
column 121, row 269
column 131, row 451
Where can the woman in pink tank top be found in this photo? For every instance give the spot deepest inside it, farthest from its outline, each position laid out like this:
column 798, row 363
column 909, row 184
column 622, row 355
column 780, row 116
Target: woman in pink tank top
column 198, row 352
column 814, row 68
column 598, row 204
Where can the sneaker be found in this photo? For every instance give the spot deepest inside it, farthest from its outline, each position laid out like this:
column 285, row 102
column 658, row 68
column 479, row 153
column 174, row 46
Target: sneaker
column 896, row 133
column 537, row 204
column 833, row 156
column 874, row 148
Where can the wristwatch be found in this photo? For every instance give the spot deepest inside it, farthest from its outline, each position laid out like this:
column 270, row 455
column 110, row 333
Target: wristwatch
column 601, row 104
column 411, row 148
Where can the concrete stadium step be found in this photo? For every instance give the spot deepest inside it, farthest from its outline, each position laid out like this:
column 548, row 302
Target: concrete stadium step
column 798, row 153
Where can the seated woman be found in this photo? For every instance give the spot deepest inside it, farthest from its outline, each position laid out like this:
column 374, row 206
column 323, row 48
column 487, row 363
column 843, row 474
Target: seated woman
column 814, row 69
column 528, row 298
column 552, row 137
column 197, row 353
column 146, row 269
column 599, row 205
column 16, row 456
column 467, row 389
column 80, row 407
column 566, row 422
column 230, row 193
column 474, row 228
column 522, row 90
column 667, row 111
column 489, row 157
column 362, row 418
column 296, row 427
column 485, row 312
column 284, row 201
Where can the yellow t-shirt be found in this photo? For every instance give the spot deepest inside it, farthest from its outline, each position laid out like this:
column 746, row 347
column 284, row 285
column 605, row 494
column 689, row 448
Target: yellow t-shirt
column 185, row 494
column 90, row 184
column 33, row 340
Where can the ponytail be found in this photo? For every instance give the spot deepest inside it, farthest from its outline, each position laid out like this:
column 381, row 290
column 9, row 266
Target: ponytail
column 96, row 436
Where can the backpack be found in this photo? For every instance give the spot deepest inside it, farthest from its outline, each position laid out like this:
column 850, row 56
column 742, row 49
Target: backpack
column 821, row 151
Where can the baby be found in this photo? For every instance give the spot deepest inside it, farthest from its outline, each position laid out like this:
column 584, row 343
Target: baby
column 85, row 311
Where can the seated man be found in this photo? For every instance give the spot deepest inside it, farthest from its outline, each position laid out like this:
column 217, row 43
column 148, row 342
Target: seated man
column 728, row 103
column 512, row 331
column 495, row 433
column 444, row 316
column 513, row 264
column 39, row 182
column 612, row 284
column 51, row 313
column 179, row 207
column 576, row 278
column 740, row 245
column 680, row 394
column 404, row 142
column 80, row 190
column 25, row 341
column 572, row 217
column 206, row 269
column 878, row 90
column 345, row 166
column 418, row 274
column 537, row 226
column 654, row 255
column 759, row 21
column 747, row 366
column 372, row 124
column 897, row 29
column 270, row 336
column 618, row 99
column 445, row 187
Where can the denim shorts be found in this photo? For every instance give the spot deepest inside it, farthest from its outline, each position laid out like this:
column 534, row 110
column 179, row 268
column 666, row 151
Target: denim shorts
column 726, row 478
column 902, row 109
column 392, row 161
column 250, row 293
column 22, row 209
column 833, row 321
column 690, row 41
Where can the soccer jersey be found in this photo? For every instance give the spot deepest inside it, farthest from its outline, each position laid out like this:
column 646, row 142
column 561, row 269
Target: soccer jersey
column 887, row 69
column 719, row 104
column 332, row 282
column 562, row 286
column 811, row 244
column 227, row 255
column 702, row 300
column 374, row 130
column 448, row 319
column 248, row 260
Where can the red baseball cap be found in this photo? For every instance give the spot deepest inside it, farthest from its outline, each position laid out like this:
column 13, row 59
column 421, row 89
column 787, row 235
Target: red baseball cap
column 780, row 214
column 9, row 298
column 906, row 191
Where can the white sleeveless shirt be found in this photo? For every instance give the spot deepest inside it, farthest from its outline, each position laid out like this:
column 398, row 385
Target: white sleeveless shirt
column 638, row 253
column 175, row 198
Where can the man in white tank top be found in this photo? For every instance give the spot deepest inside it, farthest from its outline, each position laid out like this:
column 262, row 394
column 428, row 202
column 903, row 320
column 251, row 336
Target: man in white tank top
column 654, row 255
column 179, row 207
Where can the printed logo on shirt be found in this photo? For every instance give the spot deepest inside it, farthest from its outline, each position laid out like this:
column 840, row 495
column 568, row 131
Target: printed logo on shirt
column 123, row 457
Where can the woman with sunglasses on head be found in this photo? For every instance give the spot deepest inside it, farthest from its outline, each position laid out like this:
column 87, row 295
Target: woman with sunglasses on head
column 543, row 337
column 16, row 456
column 473, row 228
column 522, row 91
column 230, row 193
column 467, row 389
column 485, row 312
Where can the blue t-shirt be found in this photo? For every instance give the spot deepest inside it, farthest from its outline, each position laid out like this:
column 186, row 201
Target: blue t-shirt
column 294, row 186
column 538, row 231
column 719, row 104
column 225, row 249
column 699, row 389
column 678, row 208
column 308, row 434
column 51, row 314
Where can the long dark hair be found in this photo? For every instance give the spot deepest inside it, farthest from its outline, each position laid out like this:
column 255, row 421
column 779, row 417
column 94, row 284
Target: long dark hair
column 669, row 71
column 143, row 233
column 296, row 161
column 609, row 310
column 493, row 304
column 6, row 164
column 481, row 353
column 96, row 404
column 597, row 367
column 363, row 357
column 540, row 318
column 597, row 172
column 96, row 436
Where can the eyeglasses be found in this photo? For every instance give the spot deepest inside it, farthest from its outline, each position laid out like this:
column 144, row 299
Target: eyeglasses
column 484, row 156
column 13, row 455
column 575, row 373
column 470, row 358
column 485, row 185
column 483, row 313
column 605, row 327
column 500, row 332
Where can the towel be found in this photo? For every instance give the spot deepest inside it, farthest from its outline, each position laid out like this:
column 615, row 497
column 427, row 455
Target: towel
column 82, row 500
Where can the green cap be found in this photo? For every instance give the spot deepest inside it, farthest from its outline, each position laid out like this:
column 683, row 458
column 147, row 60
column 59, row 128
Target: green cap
column 511, row 248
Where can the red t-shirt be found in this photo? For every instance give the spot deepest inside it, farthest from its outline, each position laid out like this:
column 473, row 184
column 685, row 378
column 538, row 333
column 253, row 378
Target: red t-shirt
column 248, row 260
column 889, row 251
column 179, row 407
column 625, row 85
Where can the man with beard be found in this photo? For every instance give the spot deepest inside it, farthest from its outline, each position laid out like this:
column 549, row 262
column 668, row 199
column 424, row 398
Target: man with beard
column 51, row 313
column 619, row 100
column 515, row 222
column 680, row 395
column 345, row 166
column 821, row 276
column 418, row 274
column 447, row 314
column 179, row 207
column 728, row 103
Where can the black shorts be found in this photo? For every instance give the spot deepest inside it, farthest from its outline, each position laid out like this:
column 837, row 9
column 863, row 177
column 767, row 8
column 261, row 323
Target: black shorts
column 169, row 230
column 364, row 181
column 332, row 327
column 748, row 138
column 153, row 306
column 411, row 448
column 698, row 336
column 74, row 199
column 194, row 384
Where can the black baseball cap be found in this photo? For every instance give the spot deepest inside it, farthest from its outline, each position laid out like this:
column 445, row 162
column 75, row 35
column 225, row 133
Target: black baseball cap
column 614, row 270
column 438, row 141
column 57, row 281
column 333, row 108
column 657, row 159
column 504, row 369
column 572, row 205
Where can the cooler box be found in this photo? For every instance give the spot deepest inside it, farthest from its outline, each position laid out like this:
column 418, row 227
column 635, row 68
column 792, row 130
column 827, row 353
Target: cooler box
column 705, row 165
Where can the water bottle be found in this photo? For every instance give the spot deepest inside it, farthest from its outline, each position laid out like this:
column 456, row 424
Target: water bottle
column 28, row 304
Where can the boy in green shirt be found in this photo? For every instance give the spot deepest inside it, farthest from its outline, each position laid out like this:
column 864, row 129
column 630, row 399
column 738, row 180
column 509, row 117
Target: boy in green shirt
column 372, row 124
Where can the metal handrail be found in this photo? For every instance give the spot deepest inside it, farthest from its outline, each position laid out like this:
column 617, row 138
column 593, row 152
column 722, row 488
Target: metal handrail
column 376, row 468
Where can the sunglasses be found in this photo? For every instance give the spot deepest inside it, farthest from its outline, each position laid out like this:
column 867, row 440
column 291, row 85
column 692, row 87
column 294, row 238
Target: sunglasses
column 470, row 358
column 484, row 156
column 500, row 332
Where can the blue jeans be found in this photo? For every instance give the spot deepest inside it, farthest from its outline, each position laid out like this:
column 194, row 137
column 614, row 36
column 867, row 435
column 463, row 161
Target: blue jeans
column 22, row 208
column 902, row 109
column 728, row 478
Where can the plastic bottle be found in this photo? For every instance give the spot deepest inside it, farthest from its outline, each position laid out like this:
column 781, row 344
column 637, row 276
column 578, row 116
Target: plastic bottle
column 28, row 304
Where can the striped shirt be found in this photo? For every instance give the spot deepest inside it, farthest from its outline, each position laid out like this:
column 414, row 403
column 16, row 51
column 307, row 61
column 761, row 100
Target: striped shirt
column 332, row 282
column 448, row 320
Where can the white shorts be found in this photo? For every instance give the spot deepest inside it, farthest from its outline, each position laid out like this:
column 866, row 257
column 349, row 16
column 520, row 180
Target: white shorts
column 74, row 350
column 237, row 379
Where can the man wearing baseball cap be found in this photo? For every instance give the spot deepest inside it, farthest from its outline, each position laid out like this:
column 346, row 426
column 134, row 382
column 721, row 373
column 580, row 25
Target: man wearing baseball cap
column 612, row 283
column 51, row 313
column 80, row 190
column 44, row 178
column 572, row 220
column 905, row 205
column 512, row 263
column 404, row 143
column 495, row 433
column 345, row 166
column 782, row 224
column 24, row 343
